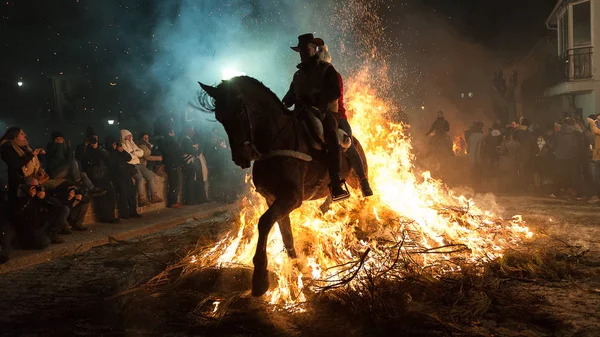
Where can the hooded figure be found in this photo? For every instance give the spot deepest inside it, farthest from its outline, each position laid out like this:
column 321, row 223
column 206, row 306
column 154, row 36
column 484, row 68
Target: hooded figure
column 131, row 147
column 141, row 171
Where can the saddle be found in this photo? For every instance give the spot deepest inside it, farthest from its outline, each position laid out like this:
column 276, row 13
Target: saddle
column 313, row 127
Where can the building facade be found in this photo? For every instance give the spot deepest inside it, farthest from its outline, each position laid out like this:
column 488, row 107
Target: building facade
column 576, row 80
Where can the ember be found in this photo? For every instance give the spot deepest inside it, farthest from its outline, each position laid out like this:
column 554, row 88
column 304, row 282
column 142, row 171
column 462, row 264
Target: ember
column 412, row 218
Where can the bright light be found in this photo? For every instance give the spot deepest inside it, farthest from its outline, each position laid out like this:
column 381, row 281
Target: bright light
column 111, row 121
column 20, row 83
column 229, row 73
column 422, row 108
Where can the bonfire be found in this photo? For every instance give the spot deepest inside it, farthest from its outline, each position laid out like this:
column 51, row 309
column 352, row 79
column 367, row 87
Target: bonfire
column 414, row 225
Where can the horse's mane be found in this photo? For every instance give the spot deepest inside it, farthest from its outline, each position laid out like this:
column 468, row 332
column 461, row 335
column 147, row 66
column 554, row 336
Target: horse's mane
column 207, row 103
column 259, row 84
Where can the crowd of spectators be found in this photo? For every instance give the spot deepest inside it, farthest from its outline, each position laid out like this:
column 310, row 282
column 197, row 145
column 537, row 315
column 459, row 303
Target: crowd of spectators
column 561, row 160
column 49, row 190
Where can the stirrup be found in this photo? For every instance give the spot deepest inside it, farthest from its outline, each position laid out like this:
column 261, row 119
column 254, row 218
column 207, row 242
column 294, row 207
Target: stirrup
column 344, row 195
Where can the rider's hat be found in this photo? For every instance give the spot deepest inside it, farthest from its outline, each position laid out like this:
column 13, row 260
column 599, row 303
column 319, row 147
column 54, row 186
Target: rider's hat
column 305, row 39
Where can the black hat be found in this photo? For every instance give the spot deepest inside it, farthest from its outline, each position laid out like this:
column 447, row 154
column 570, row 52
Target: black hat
column 89, row 132
column 56, row 134
column 304, row 40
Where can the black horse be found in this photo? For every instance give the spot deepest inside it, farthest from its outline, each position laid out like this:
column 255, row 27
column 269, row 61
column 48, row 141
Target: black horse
column 284, row 172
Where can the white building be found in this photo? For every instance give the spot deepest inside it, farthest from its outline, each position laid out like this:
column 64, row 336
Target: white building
column 577, row 79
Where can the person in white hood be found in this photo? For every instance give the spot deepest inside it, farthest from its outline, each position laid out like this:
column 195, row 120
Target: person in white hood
column 142, row 171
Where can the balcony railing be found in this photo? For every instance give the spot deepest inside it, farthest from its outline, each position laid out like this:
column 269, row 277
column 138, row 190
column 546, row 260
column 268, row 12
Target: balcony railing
column 575, row 64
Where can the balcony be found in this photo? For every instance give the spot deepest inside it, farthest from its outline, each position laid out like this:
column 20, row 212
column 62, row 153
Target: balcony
column 573, row 65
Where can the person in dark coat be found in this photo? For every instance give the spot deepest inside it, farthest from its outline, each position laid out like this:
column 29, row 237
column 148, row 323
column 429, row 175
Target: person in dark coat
column 38, row 217
column 61, row 164
column 17, row 154
column 193, row 185
column 94, row 161
column 568, row 151
column 76, row 201
column 121, row 174
column 173, row 161
column 527, row 151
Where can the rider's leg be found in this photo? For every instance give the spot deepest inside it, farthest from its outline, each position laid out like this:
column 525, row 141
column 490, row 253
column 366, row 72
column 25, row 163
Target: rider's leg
column 355, row 160
column 334, row 153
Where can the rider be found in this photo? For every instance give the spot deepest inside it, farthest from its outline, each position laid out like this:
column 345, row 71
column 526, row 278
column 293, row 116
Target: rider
column 316, row 87
column 440, row 125
column 342, row 119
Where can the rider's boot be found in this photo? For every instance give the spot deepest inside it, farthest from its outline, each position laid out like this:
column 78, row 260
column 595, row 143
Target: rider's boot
column 334, row 152
column 338, row 192
column 359, row 168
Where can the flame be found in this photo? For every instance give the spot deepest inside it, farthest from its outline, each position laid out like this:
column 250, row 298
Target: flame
column 408, row 206
column 459, row 147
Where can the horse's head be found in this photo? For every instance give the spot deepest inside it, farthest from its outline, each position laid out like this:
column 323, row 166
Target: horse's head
column 231, row 111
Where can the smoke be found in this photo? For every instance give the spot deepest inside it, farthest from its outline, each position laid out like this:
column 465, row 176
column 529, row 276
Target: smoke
column 161, row 49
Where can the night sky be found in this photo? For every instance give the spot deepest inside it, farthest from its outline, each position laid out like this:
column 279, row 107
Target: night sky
column 109, row 41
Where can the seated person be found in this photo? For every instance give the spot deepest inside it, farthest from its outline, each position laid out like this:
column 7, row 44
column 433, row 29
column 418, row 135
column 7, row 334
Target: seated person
column 38, row 217
column 142, row 172
column 78, row 204
column 60, row 163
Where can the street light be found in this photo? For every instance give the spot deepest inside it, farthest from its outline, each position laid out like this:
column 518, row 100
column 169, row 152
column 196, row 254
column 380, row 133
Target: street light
column 20, row 83
column 111, row 121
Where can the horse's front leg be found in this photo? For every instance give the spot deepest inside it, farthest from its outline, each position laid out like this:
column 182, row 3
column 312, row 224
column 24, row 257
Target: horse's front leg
column 285, row 227
column 279, row 209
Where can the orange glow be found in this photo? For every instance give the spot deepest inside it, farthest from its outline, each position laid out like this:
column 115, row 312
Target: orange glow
column 408, row 206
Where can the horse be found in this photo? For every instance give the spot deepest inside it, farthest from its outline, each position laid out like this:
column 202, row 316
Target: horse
column 287, row 169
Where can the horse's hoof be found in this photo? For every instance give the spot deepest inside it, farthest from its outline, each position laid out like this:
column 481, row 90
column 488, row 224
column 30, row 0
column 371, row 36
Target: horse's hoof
column 260, row 283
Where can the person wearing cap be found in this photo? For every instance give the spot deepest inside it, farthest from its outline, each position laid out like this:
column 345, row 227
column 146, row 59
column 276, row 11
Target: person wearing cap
column 315, row 87
column 351, row 153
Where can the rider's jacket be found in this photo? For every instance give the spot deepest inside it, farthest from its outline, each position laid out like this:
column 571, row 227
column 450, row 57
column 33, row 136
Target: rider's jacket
column 316, row 84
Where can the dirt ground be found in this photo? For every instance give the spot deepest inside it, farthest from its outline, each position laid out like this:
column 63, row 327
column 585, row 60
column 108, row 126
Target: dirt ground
column 77, row 295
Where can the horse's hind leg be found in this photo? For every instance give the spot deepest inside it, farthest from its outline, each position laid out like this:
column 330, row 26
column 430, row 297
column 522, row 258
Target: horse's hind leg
column 285, row 227
column 279, row 209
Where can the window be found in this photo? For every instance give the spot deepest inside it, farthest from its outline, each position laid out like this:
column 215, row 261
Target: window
column 563, row 34
column 582, row 24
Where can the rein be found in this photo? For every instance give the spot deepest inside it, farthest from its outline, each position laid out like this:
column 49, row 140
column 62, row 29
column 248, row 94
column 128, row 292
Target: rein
column 276, row 153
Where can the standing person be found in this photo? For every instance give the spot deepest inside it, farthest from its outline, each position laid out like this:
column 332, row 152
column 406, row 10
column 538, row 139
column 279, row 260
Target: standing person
column 351, row 152
column 173, row 160
column 492, row 146
column 595, row 162
column 192, row 169
column 121, row 173
column 509, row 157
column 540, row 163
column 569, row 142
column 316, row 84
column 142, row 172
column 21, row 160
column 527, row 149
column 203, row 195
column 95, row 161
column 475, row 153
